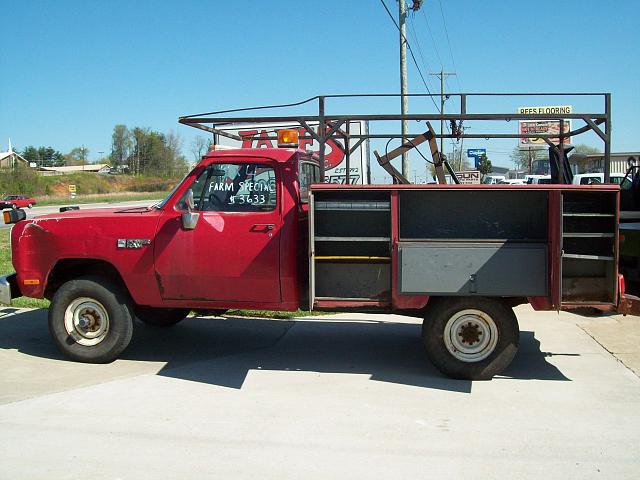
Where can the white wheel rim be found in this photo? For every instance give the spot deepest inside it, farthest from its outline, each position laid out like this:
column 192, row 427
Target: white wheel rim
column 471, row 335
column 86, row 321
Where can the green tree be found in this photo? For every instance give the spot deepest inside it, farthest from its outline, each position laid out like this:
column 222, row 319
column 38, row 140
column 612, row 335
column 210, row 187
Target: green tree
column 156, row 153
column 43, row 156
column 121, row 144
column 199, row 147
column 30, row 154
column 484, row 165
column 585, row 149
column 523, row 158
column 77, row 156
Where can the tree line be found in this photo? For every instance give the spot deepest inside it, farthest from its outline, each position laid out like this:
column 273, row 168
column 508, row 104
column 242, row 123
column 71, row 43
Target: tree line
column 142, row 151
column 49, row 157
column 137, row 151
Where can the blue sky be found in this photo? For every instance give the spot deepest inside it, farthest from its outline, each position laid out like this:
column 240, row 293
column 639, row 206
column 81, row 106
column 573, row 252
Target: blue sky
column 74, row 69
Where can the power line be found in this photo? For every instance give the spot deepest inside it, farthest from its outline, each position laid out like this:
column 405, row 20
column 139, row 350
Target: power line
column 433, row 40
column 415, row 36
column 446, row 31
column 411, row 53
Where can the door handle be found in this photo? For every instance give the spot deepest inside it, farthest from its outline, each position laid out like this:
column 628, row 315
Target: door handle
column 264, row 227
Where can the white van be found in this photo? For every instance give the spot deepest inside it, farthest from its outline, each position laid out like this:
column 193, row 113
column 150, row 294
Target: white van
column 597, row 178
column 538, row 179
column 493, row 179
column 513, row 181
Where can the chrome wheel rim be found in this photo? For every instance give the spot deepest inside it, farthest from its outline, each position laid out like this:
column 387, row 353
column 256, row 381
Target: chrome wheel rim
column 86, row 321
column 471, row 335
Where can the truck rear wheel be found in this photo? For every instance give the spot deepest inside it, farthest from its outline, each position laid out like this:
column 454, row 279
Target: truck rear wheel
column 470, row 338
column 90, row 320
column 160, row 317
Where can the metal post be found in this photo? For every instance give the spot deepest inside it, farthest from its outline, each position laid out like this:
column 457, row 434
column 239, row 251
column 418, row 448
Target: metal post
column 563, row 172
column 442, row 111
column 607, row 142
column 321, row 133
column 348, row 153
column 443, row 75
column 404, row 100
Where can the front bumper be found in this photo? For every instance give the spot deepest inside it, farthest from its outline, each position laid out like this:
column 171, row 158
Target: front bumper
column 9, row 288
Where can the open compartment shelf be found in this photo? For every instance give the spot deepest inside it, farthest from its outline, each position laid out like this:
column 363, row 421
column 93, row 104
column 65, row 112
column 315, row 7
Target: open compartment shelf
column 353, row 280
column 351, row 255
column 589, row 203
column 586, row 280
column 588, row 247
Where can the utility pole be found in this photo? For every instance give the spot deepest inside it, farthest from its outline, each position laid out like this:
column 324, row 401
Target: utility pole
column 404, row 100
column 443, row 75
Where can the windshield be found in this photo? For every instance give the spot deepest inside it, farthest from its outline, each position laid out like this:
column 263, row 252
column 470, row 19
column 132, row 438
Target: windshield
column 164, row 201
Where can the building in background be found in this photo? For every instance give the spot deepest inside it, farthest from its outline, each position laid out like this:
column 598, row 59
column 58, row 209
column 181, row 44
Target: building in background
column 594, row 163
column 89, row 168
column 11, row 159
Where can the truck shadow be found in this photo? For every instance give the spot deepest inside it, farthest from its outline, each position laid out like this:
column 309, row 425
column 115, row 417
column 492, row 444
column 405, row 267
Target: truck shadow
column 222, row 351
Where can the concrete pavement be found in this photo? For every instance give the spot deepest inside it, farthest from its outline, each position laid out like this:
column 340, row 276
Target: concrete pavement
column 345, row 396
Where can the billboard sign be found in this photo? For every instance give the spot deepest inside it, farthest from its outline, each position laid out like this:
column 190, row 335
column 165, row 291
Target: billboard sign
column 543, row 127
column 469, row 177
column 335, row 160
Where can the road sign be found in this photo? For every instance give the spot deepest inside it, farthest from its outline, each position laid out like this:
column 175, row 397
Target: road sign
column 72, row 189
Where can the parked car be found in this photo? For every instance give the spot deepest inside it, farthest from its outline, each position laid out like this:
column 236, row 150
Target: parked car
column 17, row 201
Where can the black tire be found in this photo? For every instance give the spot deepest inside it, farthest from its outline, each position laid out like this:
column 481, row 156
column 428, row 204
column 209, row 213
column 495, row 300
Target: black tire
column 30, row 205
column 470, row 338
column 14, row 206
column 91, row 299
column 160, row 317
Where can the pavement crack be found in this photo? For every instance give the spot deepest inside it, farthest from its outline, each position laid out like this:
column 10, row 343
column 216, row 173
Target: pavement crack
column 612, row 353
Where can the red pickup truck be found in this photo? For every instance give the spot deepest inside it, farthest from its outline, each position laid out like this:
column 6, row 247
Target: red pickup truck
column 247, row 229
column 17, row 201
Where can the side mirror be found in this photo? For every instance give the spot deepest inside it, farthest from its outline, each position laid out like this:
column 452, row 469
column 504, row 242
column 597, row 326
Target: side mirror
column 189, row 218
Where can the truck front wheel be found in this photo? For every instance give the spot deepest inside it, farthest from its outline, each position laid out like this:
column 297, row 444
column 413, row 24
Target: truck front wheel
column 90, row 320
column 470, row 338
column 160, row 317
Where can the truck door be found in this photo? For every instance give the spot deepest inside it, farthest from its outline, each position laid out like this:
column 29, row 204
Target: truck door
column 233, row 254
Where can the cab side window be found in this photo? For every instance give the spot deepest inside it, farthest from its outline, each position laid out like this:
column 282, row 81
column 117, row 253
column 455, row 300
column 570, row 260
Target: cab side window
column 308, row 173
column 235, row 187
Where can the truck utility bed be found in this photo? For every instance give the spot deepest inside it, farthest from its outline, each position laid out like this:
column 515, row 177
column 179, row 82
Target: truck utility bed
column 395, row 245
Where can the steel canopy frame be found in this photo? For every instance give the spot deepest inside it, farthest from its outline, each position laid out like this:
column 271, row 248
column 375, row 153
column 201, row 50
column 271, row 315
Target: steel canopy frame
column 329, row 125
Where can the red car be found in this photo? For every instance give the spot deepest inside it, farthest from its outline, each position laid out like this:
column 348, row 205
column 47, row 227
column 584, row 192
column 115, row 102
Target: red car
column 17, row 201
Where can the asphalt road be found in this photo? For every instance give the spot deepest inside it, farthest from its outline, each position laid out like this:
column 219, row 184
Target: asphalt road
column 35, row 211
column 345, row 396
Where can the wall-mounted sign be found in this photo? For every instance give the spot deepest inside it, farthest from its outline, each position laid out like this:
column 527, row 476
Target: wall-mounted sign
column 335, row 160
